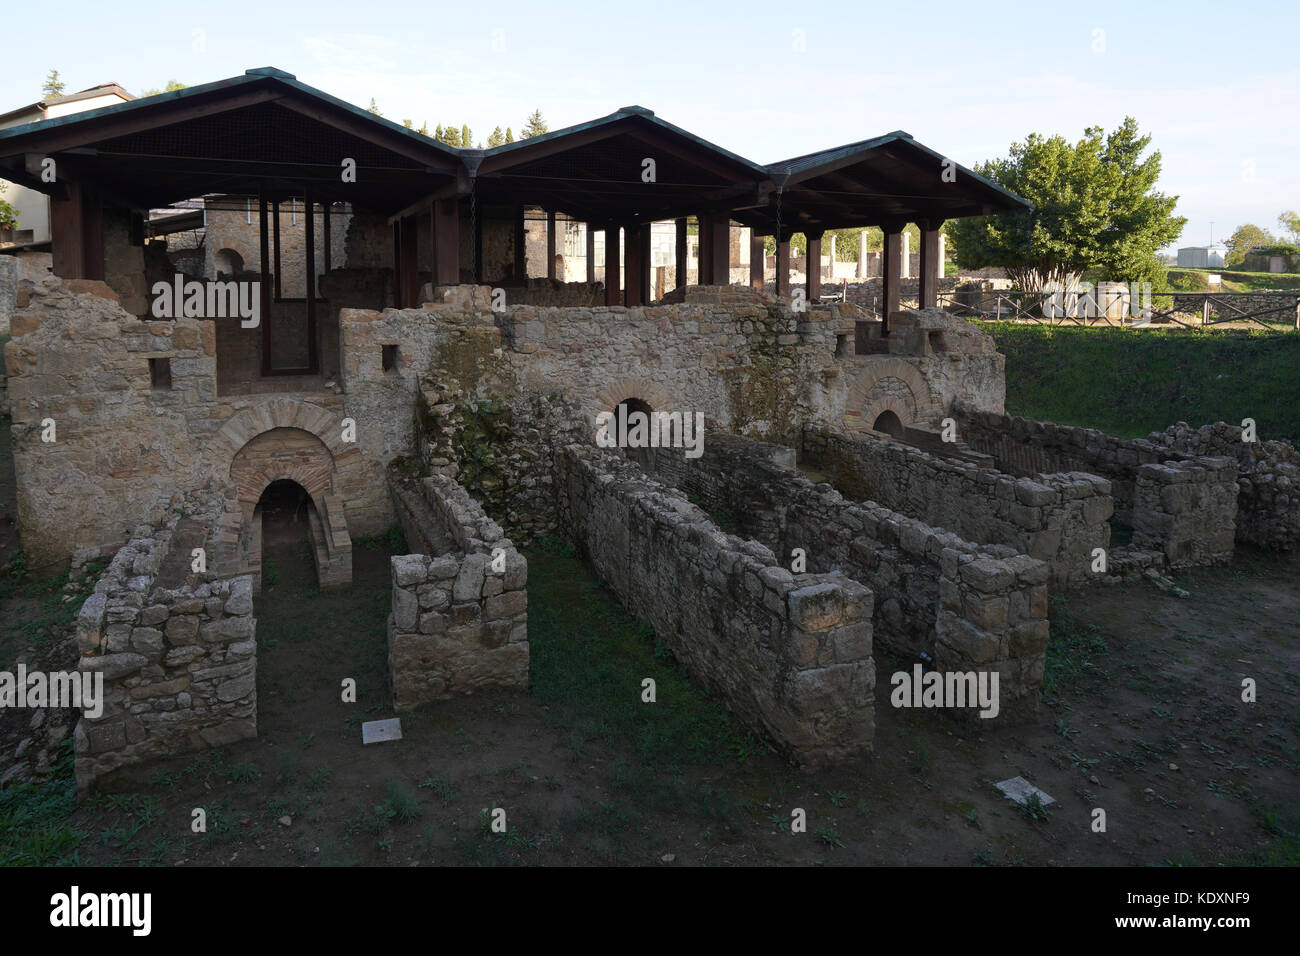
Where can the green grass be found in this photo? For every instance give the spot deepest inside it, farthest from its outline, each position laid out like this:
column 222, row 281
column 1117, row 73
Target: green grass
column 33, row 819
column 1133, row 382
column 1195, row 280
column 588, row 658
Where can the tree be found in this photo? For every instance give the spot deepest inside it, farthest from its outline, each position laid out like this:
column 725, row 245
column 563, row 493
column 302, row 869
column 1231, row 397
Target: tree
column 466, row 139
column 451, row 136
column 535, row 126
column 1243, row 240
column 409, row 124
column 1095, row 207
column 1290, row 221
column 497, row 138
column 53, row 85
column 373, row 108
column 8, row 214
column 510, row 137
column 439, row 135
column 171, row 87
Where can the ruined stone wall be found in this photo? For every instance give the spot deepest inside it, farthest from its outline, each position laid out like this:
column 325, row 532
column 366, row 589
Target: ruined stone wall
column 124, row 262
column 177, row 652
column 1268, row 479
column 962, row 606
column 1029, row 448
column 1187, row 510
column 123, row 445
column 1057, row 518
column 789, row 654
column 460, row 612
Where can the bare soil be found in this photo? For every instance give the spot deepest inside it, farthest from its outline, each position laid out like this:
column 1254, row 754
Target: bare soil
column 1143, row 719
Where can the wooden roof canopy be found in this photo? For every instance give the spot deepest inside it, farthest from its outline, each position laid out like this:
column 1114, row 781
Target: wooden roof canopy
column 267, row 131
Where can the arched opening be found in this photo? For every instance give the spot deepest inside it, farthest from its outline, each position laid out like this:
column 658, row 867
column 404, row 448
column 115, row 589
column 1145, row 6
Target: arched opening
column 642, row 455
column 228, row 263
column 283, row 514
column 889, row 423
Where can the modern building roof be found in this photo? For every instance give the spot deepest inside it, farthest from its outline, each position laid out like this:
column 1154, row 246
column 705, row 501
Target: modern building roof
column 266, row 132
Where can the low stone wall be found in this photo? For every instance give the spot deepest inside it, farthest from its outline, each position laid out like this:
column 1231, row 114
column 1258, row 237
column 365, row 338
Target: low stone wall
column 790, row 654
column 1187, row 510
column 1059, row 519
column 177, row 652
column 1268, row 479
column 1025, row 447
column 460, row 613
column 960, row 605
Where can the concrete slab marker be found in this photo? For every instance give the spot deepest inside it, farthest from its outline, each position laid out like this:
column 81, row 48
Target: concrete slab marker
column 377, row 731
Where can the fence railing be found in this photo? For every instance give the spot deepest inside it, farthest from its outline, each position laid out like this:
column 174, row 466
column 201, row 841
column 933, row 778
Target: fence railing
column 1274, row 311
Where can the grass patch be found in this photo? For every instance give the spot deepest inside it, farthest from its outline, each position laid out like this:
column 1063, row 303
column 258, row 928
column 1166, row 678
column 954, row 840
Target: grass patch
column 1133, row 382
column 34, row 829
column 590, row 674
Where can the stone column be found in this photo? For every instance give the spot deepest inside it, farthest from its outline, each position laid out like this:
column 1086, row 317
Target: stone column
column 613, row 292
column 889, row 272
column 757, row 259
column 862, row 254
column 905, row 259
column 783, row 265
column 813, row 265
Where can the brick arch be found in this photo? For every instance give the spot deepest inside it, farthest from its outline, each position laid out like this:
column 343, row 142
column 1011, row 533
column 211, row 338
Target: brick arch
column 650, row 392
column 861, row 409
column 248, row 423
column 281, row 453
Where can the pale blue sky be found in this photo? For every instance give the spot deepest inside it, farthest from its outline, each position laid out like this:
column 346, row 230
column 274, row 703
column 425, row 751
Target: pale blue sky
column 1217, row 85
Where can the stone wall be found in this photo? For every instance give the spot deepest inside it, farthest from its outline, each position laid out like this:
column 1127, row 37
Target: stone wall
column 1197, row 519
column 1187, row 509
column 124, row 443
column 177, row 651
column 460, row 611
column 959, row 605
column 789, row 654
column 1057, row 518
column 1268, row 479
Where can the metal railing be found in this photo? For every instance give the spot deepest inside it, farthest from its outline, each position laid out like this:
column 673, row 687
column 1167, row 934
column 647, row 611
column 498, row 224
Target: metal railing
column 1273, row 311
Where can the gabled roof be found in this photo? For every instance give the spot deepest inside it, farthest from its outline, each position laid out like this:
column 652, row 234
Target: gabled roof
column 266, row 130
column 263, row 128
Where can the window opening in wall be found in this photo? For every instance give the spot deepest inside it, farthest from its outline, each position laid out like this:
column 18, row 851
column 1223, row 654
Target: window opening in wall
column 390, row 358
column 160, row 373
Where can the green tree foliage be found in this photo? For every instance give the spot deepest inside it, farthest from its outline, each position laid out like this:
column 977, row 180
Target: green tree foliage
column 53, row 86
column 8, row 214
column 497, row 138
column 373, row 108
column 510, row 137
column 1247, row 236
column 466, row 138
column 171, row 87
column 1290, row 222
column 1095, row 208
column 535, row 126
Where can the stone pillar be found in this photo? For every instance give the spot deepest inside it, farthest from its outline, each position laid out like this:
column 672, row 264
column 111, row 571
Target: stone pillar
column 719, row 240
column 613, row 294
column 591, row 252
column 830, row 274
column 905, row 258
column 862, row 254
column 757, row 259
column 889, row 272
column 942, row 257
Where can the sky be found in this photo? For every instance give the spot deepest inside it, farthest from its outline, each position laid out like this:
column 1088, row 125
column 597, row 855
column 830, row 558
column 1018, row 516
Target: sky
column 1216, row 86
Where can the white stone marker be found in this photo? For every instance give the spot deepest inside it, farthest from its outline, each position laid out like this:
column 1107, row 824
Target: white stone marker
column 377, row 731
column 1019, row 789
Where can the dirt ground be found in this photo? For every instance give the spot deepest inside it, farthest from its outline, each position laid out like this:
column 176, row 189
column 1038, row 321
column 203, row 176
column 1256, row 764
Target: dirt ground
column 1143, row 718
